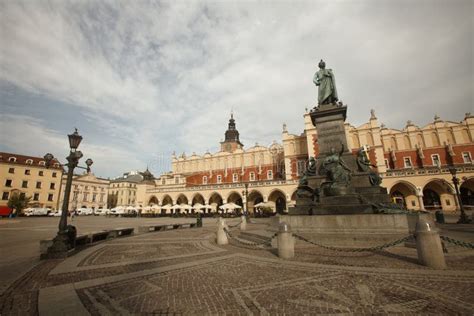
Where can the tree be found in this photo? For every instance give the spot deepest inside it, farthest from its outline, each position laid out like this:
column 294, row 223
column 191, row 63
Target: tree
column 112, row 200
column 18, row 202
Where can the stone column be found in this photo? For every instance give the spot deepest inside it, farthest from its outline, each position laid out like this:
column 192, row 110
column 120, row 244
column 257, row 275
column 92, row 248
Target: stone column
column 243, row 224
column 428, row 245
column 221, row 235
column 286, row 242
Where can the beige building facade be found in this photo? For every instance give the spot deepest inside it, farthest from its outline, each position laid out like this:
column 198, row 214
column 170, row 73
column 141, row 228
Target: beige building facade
column 29, row 176
column 414, row 163
column 87, row 191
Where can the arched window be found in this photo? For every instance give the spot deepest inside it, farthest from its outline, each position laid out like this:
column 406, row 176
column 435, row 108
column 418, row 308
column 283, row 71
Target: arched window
column 29, row 161
column 41, row 163
column 406, row 142
column 434, row 139
column 12, row 159
column 393, row 143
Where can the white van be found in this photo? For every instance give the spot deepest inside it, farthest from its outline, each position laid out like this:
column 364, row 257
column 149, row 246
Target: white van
column 84, row 211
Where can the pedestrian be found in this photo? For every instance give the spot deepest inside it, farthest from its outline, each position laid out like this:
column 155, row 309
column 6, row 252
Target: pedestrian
column 73, row 213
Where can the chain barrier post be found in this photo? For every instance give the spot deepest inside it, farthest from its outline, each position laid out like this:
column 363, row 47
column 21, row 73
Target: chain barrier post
column 243, row 223
column 221, row 235
column 286, row 242
column 428, row 245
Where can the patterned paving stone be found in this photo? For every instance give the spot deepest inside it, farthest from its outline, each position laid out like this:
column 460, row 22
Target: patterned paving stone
column 242, row 286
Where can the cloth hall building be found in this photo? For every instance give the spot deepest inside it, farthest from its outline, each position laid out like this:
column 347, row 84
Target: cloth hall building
column 413, row 162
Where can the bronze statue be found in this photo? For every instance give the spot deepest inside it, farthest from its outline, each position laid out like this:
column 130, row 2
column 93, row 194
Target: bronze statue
column 326, row 82
column 364, row 165
column 337, row 172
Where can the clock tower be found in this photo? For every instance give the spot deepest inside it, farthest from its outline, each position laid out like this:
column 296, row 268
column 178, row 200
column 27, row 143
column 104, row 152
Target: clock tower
column 231, row 141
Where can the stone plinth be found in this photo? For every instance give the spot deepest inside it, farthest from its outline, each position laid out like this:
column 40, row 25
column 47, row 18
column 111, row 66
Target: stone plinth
column 355, row 230
column 329, row 122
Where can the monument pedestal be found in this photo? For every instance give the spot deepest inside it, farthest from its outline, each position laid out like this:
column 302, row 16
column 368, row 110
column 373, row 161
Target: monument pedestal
column 352, row 230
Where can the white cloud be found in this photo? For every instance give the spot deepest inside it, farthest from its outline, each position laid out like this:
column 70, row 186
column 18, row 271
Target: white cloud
column 157, row 76
column 35, row 138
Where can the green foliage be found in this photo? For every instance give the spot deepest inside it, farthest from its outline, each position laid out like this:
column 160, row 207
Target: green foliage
column 18, row 202
column 112, row 200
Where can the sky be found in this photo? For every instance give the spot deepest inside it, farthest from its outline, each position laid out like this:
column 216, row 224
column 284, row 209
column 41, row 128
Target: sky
column 142, row 79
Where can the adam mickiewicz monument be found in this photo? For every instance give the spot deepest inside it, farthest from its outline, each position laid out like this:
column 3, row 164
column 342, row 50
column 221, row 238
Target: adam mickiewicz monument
column 339, row 200
column 337, row 181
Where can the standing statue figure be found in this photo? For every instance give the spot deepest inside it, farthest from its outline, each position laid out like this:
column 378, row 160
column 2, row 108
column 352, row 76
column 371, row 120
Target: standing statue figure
column 324, row 79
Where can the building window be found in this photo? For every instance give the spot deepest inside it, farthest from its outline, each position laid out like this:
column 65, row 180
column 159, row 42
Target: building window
column 235, row 177
column 87, row 187
column 407, row 162
column 12, row 159
column 252, row 176
column 22, row 195
column 50, row 197
column 24, row 184
column 94, row 196
column 387, row 165
column 56, row 165
column 54, row 174
column 27, row 171
column 219, row 178
column 102, row 197
column 36, row 197
column 41, row 173
column 52, row 186
column 176, row 180
column 5, row 195
column 163, row 181
column 29, row 161
column 204, row 180
column 11, row 170
column 435, row 160
column 41, row 163
column 8, row 183
column 85, row 197
column 301, row 167
column 466, row 156
column 38, row 185
column 270, row 174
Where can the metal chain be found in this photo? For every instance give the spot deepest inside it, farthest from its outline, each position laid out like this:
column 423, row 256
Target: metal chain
column 232, row 226
column 457, row 242
column 249, row 244
column 390, row 244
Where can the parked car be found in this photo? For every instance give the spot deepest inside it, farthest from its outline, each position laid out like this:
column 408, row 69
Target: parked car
column 101, row 211
column 55, row 213
column 84, row 211
column 118, row 211
column 37, row 211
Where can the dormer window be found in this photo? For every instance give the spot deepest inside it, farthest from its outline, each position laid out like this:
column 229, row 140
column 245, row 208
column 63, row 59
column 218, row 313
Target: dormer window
column 42, row 163
column 12, row 159
column 29, row 161
column 56, row 165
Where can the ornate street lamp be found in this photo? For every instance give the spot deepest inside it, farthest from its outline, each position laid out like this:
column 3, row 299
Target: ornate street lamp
column 463, row 219
column 62, row 242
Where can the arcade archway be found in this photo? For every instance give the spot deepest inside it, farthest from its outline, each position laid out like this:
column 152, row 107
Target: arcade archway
column 279, row 198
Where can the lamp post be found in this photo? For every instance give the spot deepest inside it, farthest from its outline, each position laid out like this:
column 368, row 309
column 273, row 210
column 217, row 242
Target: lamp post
column 62, row 243
column 463, row 219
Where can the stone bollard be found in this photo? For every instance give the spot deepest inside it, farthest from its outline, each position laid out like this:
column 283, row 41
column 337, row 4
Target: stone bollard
column 243, row 224
column 428, row 245
column 221, row 235
column 286, row 242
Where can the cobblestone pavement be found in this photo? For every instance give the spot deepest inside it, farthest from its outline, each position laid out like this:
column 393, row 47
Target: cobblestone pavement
column 185, row 272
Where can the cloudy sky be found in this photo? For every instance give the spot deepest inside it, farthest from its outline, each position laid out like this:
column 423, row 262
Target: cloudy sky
column 141, row 79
